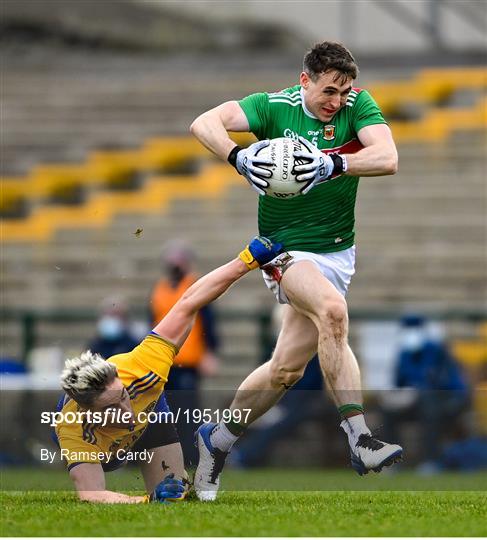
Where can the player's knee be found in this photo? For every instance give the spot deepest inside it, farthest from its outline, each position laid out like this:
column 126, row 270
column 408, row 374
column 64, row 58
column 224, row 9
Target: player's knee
column 284, row 377
column 333, row 319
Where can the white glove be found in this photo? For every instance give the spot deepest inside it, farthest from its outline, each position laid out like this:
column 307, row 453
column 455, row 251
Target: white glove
column 317, row 166
column 248, row 164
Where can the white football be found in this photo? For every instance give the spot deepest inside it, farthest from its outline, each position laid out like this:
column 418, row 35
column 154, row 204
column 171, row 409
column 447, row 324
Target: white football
column 282, row 183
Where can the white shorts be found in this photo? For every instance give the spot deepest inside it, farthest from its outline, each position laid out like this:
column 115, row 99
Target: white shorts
column 338, row 268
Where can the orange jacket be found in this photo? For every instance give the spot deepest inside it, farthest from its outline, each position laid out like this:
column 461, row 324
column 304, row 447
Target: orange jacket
column 162, row 300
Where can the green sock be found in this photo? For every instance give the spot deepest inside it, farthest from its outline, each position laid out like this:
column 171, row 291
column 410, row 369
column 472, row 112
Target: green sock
column 234, row 428
column 350, row 409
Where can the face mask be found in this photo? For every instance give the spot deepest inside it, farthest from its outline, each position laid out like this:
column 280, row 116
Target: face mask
column 110, row 327
column 412, row 339
column 175, row 273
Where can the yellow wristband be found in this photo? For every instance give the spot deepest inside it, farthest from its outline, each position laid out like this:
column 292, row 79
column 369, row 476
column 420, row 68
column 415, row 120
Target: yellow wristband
column 248, row 259
column 146, row 499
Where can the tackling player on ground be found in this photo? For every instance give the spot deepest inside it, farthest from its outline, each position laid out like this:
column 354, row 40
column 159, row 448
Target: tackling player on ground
column 132, row 383
column 345, row 136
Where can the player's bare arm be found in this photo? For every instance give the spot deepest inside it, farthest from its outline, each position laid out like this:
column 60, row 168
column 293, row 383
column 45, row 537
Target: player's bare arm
column 211, row 128
column 177, row 324
column 379, row 157
column 89, row 481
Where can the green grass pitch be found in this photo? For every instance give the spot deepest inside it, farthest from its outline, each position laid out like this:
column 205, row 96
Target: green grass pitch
column 269, row 503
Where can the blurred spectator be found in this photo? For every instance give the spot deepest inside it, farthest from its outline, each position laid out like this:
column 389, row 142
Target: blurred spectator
column 197, row 356
column 113, row 331
column 436, row 391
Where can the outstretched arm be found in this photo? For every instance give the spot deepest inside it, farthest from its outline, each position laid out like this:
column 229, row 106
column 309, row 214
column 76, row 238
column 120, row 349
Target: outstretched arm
column 89, row 481
column 177, row 324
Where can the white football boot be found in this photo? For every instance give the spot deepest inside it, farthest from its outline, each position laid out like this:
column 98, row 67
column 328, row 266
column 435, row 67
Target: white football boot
column 371, row 454
column 210, row 464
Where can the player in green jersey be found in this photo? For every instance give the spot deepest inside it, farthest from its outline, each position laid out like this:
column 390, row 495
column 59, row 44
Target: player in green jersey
column 346, row 137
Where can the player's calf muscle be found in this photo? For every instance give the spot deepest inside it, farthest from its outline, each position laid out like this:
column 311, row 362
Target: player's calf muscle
column 282, row 376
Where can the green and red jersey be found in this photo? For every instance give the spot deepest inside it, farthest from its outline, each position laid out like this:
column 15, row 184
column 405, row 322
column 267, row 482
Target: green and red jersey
column 323, row 220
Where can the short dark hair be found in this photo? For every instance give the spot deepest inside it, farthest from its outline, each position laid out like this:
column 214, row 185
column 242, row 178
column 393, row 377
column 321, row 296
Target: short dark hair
column 329, row 56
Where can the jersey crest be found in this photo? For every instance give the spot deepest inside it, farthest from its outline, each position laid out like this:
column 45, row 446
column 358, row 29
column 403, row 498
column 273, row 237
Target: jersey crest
column 329, row 132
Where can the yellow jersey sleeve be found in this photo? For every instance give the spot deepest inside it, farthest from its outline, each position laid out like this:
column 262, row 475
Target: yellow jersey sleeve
column 154, row 354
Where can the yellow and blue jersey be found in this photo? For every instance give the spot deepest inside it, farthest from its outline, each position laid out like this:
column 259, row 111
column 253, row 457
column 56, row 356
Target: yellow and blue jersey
column 144, row 372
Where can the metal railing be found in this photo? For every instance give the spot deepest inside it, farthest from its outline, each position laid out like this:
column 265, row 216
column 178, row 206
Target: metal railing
column 29, row 320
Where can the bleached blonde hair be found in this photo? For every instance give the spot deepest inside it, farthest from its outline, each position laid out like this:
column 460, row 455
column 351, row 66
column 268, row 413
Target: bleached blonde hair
column 86, row 376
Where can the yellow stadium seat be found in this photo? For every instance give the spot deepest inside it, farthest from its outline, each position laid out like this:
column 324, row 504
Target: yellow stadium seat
column 458, row 78
column 170, row 152
column 13, row 195
column 46, row 181
column 56, row 180
column 392, row 95
column 156, row 195
column 114, row 168
column 430, row 86
column 472, row 352
column 165, row 155
column 438, row 124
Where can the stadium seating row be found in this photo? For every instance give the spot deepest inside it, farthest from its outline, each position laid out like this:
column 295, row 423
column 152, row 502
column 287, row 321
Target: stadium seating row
column 439, row 123
column 432, row 87
column 112, row 170
column 27, row 201
column 101, row 206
